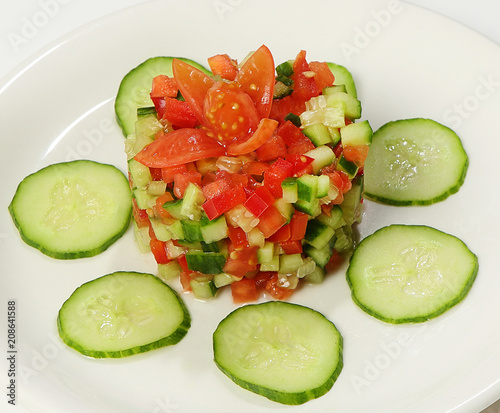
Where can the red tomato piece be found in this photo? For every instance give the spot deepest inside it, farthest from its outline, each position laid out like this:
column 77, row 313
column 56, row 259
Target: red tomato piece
column 169, row 173
column 185, row 280
column 298, row 226
column 301, row 164
column 244, row 291
column 277, row 292
column 336, row 260
column 283, row 234
column 164, row 86
column 182, row 180
column 257, row 78
column 323, row 76
column 291, row 247
column 304, row 86
column 179, row 113
column 179, row 147
column 276, row 173
column 356, row 154
column 193, row 85
column 255, row 168
column 297, row 142
column 264, row 131
column 238, row 237
column 230, row 112
column 261, row 279
column 259, row 201
column 158, row 250
column 217, row 205
column 222, row 65
column 241, row 262
column 141, row 217
column 271, row 221
column 272, row 149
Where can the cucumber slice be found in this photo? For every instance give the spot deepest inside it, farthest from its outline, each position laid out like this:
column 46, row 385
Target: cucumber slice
column 122, row 314
column 410, row 274
column 72, row 209
column 285, row 352
column 343, row 77
column 135, row 88
column 414, row 162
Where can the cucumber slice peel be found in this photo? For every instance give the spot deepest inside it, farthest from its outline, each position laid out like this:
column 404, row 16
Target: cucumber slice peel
column 121, row 314
column 410, row 273
column 285, row 352
column 414, row 162
column 72, row 209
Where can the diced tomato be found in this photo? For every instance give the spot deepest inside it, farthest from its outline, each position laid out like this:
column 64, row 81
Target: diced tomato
column 181, row 181
column 238, row 237
column 230, row 113
column 259, row 201
column 277, row 292
column 179, row 113
column 232, row 179
column 164, row 86
column 222, row 65
column 179, row 147
column 185, row 280
column 158, row 250
column 296, row 141
column 261, row 279
column 283, row 234
column 155, row 174
column 301, row 164
column 283, row 107
column 338, row 150
column 356, row 154
column 336, row 260
column 141, row 217
column 256, row 78
column 169, row 173
column 244, row 291
column 218, row 204
column 323, row 75
column 242, row 261
column 270, row 221
column 193, row 85
column 304, row 87
column 276, row 173
column 255, row 168
column 264, row 131
column 298, row 226
column 272, row 149
column 291, row 247
column 340, row 180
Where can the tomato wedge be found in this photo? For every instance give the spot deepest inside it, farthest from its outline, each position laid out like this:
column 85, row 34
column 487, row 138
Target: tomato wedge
column 179, row 147
column 193, row 85
column 257, row 77
column 264, row 131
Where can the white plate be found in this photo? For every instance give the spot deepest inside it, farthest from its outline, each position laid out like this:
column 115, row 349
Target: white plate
column 407, row 62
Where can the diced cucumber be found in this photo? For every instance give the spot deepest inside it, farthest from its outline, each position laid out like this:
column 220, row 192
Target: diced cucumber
column 414, row 162
column 307, row 188
column 344, row 241
column 410, row 273
column 174, row 208
column 312, row 208
column 203, row 289
column 273, row 265
column 323, row 186
column 284, row 208
column 289, row 190
column 350, row 168
column 356, row 134
column 322, row 155
column 256, row 238
column 318, row 133
column 335, row 219
column 214, row 230
column 135, row 87
column 316, row 277
column 145, row 129
column 290, row 263
column 351, row 206
column 321, row 256
column 72, row 209
column 140, row 174
column 143, row 198
column 192, row 230
column 308, row 266
column 334, row 89
column 205, row 262
column 191, row 202
column 142, row 237
column 350, row 105
column 169, row 271
column 121, row 314
column 285, row 352
column 343, row 77
column 265, row 253
column 156, row 188
column 223, row 279
column 318, row 234
column 160, row 229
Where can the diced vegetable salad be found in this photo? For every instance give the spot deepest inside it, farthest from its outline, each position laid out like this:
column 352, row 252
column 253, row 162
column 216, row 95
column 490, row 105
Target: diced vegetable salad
column 250, row 176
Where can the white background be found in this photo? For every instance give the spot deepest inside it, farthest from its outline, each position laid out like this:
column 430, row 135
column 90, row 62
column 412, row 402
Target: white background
column 29, row 26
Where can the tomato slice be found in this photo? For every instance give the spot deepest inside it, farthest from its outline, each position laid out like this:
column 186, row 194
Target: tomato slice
column 179, row 147
column 264, row 131
column 256, row 78
column 230, row 112
column 193, row 85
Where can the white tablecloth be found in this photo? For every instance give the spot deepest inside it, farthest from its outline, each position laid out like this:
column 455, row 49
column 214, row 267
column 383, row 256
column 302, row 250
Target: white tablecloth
column 26, row 26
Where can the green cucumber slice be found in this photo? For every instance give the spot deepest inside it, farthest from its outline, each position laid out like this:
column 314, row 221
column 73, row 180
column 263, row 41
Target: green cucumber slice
column 343, row 77
column 410, row 273
column 121, row 314
column 414, row 162
column 285, row 352
column 72, row 209
column 135, row 87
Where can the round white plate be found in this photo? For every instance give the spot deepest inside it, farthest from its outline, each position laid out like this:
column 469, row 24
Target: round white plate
column 407, row 62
